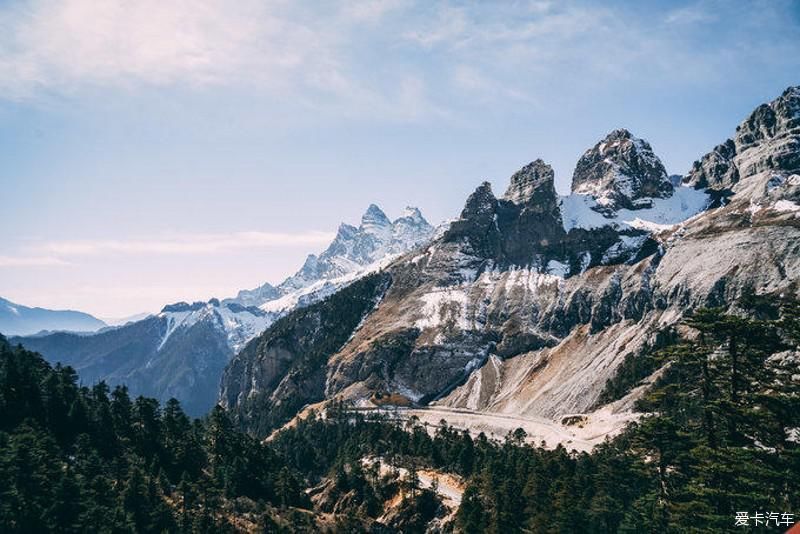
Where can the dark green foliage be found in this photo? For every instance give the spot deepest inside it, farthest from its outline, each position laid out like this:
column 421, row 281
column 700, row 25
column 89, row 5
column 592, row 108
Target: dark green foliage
column 311, row 335
column 635, row 368
column 118, row 356
column 74, row 459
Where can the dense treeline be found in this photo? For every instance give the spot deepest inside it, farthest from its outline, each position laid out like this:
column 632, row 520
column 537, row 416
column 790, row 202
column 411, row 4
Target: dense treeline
column 722, row 437
column 78, row 459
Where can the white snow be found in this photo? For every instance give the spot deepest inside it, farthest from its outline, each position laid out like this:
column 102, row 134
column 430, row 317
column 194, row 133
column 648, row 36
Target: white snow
column 179, row 319
column 786, row 206
column 463, row 305
column 239, row 326
column 444, row 306
column 685, row 202
column 624, row 245
column 557, row 268
column 323, row 288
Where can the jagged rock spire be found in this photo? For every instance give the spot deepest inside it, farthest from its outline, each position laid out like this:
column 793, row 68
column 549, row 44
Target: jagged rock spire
column 478, row 223
column 374, row 216
column 768, row 140
column 533, row 182
column 620, row 170
column 716, row 169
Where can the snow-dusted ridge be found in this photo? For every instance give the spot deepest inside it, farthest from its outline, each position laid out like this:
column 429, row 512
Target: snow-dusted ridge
column 579, row 211
column 239, row 324
column 354, row 252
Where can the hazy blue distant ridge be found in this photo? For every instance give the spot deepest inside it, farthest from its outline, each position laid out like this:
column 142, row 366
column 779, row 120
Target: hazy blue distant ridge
column 19, row 320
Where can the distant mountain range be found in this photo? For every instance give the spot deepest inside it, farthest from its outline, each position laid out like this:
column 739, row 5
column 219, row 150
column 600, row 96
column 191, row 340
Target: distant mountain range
column 182, row 351
column 19, row 320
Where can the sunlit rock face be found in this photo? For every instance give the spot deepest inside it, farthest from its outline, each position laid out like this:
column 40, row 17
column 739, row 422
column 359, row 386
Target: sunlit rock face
column 529, row 303
column 621, row 171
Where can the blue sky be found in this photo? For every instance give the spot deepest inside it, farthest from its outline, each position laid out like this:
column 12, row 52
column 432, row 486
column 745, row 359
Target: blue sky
column 158, row 151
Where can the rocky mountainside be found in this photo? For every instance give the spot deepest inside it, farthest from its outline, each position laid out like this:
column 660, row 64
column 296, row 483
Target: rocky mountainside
column 768, row 140
column 179, row 352
column 182, row 351
column 19, row 320
column 353, row 250
column 621, row 171
column 529, row 303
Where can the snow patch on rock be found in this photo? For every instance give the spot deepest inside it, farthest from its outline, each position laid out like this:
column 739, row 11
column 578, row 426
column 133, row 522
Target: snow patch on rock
column 578, row 211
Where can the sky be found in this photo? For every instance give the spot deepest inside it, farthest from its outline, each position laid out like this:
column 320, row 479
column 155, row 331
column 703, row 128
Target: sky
column 154, row 151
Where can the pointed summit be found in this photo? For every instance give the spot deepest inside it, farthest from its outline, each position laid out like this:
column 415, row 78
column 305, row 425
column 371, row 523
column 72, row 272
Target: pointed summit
column 374, row 216
column 771, row 135
column 620, row 171
column 715, row 170
column 480, row 204
column 478, row 223
column 533, row 186
column 410, row 229
column 531, row 180
column 411, row 213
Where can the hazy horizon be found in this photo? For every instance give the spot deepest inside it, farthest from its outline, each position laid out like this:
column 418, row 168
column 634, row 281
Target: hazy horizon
column 156, row 152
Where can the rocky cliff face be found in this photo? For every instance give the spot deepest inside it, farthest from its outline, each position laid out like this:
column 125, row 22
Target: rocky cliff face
column 621, row 171
column 768, row 140
column 527, row 305
column 352, row 250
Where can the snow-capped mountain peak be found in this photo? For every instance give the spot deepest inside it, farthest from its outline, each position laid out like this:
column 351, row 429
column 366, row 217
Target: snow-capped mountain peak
column 239, row 323
column 353, row 250
column 621, row 171
column 374, row 220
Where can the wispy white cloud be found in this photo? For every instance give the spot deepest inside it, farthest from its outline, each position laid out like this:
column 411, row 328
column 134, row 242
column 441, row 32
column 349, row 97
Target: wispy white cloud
column 285, row 48
column 449, row 27
column 31, row 261
column 381, row 59
column 185, row 244
column 471, row 79
column 372, row 11
column 49, row 43
column 59, row 253
column 691, row 14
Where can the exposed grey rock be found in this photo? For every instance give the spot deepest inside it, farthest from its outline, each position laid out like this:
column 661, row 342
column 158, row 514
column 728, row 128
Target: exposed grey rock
column 521, row 228
column 505, row 314
column 768, row 140
column 478, row 224
column 621, row 171
column 533, row 186
column 257, row 296
column 716, row 170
